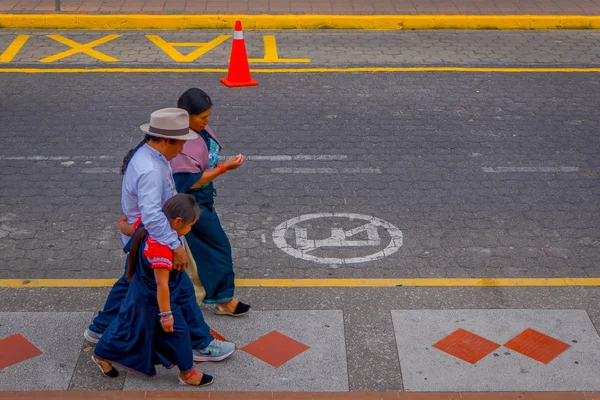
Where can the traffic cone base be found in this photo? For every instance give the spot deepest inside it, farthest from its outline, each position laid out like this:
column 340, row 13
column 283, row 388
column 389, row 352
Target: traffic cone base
column 229, row 83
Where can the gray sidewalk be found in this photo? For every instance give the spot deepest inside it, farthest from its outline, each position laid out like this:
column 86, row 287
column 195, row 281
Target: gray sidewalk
column 338, row 340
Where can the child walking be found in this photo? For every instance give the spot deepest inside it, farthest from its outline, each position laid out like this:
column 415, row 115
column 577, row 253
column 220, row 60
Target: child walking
column 150, row 328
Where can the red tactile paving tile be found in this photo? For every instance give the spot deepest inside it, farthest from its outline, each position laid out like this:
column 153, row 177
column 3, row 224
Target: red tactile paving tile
column 241, row 396
column 275, row 348
column 15, row 349
column 536, row 345
column 119, row 395
column 523, row 396
column 429, row 396
column 217, row 336
column 466, row 345
column 353, row 396
column 171, row 395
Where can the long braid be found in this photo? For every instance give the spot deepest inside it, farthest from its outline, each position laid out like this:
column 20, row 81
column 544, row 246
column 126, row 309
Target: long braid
column 131, row 152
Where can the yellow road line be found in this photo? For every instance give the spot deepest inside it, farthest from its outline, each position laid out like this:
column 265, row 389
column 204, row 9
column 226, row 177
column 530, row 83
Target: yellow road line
column 264, row 21
column 13, row 49
column 341, row 282
column 297, row 70
column 272, row 55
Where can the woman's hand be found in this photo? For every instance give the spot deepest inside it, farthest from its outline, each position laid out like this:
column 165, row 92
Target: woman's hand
column 168, row 325
column 234, row 163
column 125, row 228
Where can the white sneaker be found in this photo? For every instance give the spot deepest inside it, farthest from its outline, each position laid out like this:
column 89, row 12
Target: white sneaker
column 215, row 351
column 92, row 336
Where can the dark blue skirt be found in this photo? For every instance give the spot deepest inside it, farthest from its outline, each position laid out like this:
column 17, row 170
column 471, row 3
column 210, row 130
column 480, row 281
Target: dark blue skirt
column 211, row 249
column 135, row 338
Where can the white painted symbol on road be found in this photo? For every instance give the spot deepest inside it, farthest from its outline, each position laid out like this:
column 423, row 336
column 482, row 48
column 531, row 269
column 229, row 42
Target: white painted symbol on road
column 340, row 238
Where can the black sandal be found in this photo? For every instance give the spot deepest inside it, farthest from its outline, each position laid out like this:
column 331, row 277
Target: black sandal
column 113, row 373
column 240, row 309
column 205, row 381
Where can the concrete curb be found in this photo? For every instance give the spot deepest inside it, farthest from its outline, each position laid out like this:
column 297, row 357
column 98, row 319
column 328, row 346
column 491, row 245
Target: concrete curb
column 226, row 21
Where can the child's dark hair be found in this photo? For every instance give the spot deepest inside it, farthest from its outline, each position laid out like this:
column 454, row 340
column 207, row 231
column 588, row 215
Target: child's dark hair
column 182, row 206
column 195, row 101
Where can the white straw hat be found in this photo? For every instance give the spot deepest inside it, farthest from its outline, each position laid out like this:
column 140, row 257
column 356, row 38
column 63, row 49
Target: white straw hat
column 170, row 123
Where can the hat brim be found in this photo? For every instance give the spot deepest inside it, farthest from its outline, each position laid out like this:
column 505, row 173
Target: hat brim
column 191, row 135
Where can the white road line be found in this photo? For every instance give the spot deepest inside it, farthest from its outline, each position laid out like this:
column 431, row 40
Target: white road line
column 56, row 158
column 300, row 157
column 95, row 157
column 499, row 170
column 101, row 170
column 104, row 170
column 326, row 170
column 35, row 158
column 321, row 157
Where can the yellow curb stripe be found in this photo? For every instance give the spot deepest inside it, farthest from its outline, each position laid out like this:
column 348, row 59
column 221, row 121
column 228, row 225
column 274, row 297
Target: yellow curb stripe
column 296, row 70
column 224, row 21
column 342, row 282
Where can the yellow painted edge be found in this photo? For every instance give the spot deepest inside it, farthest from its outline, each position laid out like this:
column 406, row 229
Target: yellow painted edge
column 295, row 70
column 264, row 21
column 342, row 282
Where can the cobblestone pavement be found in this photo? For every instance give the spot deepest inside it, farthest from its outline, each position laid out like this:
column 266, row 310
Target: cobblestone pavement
column 321, row 48
column 486, row 175
column 366, row 175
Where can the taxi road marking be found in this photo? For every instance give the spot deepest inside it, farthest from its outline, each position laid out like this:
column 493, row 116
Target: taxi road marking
column 86, row 48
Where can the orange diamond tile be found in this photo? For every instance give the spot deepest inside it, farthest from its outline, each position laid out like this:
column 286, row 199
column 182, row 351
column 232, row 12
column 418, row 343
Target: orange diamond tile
column 217, row 336
column 467, row 346
column 275, row 348
column 536, row 345
column 15, row 349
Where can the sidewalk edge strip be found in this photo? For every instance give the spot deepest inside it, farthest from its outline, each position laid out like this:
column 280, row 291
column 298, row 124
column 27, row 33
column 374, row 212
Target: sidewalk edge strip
column 295, row 21
column 339, row 282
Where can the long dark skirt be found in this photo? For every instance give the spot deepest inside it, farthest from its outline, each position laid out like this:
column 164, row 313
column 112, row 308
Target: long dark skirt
column 212, row 251
column 136, row 340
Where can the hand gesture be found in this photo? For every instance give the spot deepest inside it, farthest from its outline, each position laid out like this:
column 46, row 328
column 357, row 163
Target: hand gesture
column 234, row 163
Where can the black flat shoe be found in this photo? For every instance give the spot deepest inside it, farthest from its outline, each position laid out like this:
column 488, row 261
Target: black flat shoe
column 240, row 309
column 113, row 373
column 205, row 381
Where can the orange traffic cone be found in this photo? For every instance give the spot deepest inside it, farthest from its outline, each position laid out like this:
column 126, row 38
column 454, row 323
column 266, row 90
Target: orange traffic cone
column 239, row 70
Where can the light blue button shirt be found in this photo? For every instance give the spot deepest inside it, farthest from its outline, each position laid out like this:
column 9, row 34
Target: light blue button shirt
column 148, row 183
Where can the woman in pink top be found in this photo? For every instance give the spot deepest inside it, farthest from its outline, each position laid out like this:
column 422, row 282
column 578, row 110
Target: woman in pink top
column 194, row 171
